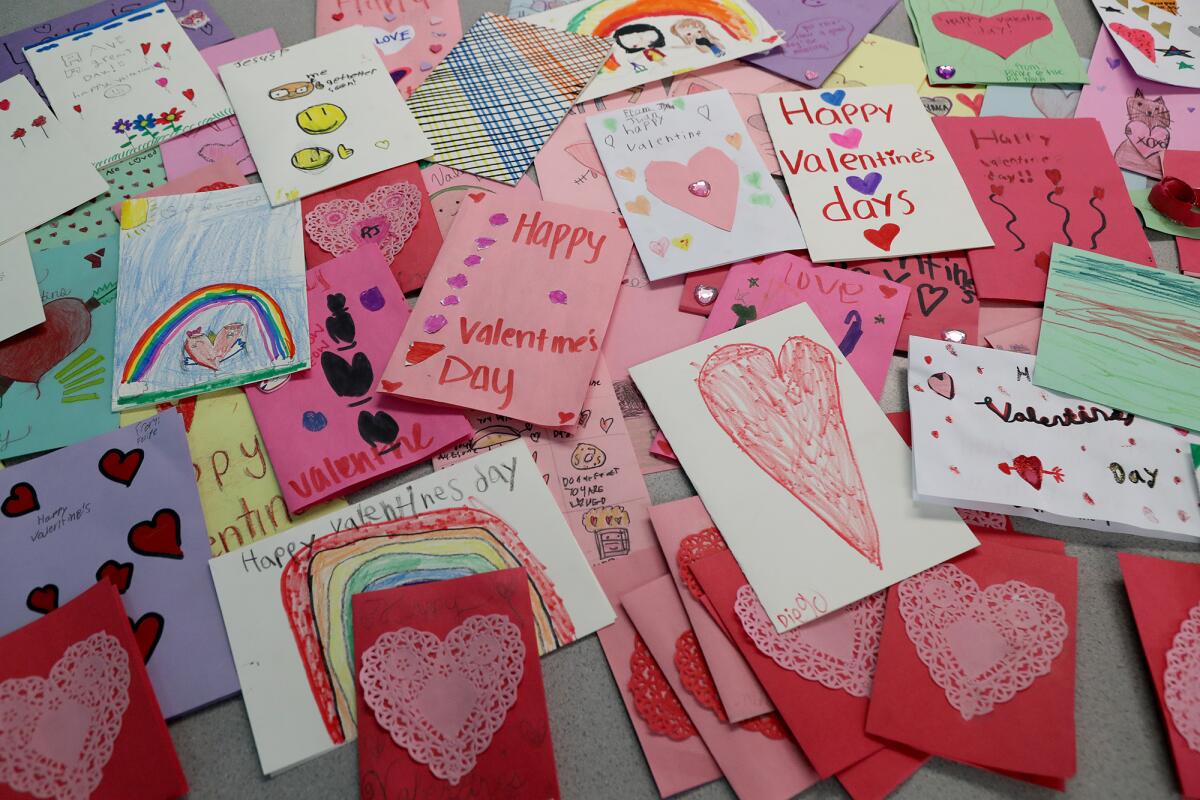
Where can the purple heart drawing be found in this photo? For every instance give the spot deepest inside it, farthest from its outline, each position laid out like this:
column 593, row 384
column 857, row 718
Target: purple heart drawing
column 866, row 185
column 1113, row 63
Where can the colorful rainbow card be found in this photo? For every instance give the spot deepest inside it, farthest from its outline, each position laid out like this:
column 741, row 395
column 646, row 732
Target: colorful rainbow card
column 211, row 295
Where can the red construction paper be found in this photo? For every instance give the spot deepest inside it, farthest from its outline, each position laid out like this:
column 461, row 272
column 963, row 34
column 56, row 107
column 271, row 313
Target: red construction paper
column 714, row 277
column 1036, row 182
column 880, row 774
column 143, row 764
column 1031, row 735
column 519, row 761
column 1189, row 255
column 1162, row 594
column 1185, row 165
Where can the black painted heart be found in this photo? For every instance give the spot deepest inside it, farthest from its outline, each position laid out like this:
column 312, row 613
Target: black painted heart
column 377, row 428
column 348, row 379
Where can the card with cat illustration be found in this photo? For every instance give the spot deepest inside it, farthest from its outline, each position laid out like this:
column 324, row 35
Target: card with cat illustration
column 1157, row 39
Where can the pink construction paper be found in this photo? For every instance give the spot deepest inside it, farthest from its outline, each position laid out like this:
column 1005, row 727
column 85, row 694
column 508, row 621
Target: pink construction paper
column 662, row 448
column 676, row 765
column 755, row 762
column 451, row 189
column 1019, row 338
column 1141, row 119
column 695, row 282
column 1189, row 255
column 861, row 312
column 326, row 429
column 221, row 174
column 412, row 36
column 685, row 532
column 222, row 138
column 998, row 315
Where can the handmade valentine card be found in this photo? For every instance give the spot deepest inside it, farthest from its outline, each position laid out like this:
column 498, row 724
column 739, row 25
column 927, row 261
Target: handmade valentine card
column 686, row 533
column 653, row 40
column 818, row 675
column 757, row 756
column 591, row 470
column 985, row 437
column 56, row 378
column 412, row 38
column 1019, row 338
column 1165, row 598
column 994, row 41
column 81, row 719
column 321, row 113
column 450, row 693
column 862, row 312
column 771, row 417
column 1157, row 45
column 816, row 37
column 677, row 756
column 295, row 652
column 868, row 174
column 121, row 506
column 450, row 189
column 977, row 662
column 1053, row 100
column 1119, row 333
column 198, row 19
column 43, row 162
column 233, row 317
column 1155, row 220
column 1038, row 182
column 692, row 188
column 223, row 138
column 221, row 174
column 21, row 302
column 880, row 774
column 334, row 414
column 513, row 312
column 390, row 209
column 127, row 84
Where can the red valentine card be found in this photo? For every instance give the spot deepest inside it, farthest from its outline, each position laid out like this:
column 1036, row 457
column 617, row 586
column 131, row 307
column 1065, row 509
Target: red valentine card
column 1036, row 182
column 880, row 774
column 78, row 717
column 450, row 699
column 977, row 662
column 1165, row 596
column 390, row 209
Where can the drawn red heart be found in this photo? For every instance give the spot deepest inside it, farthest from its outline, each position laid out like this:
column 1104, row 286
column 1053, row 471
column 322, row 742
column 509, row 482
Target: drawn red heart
column 158, row 537
column 887, row 291
column 42, row 599
column 190, row 94
column 118, row 574
column 78, row 109
column 391, row 386
column 4, row 105
column 22, row 499
column 147, row 631
column 1042, row 261
column 882, row 237
column 973, row 102
column 1028, row 468
column 145, row 48
column 338, row 16
column 565, row 416
column 120, row 466
column 28, row 356
column 997, row 189
column 476, row 196
column 1002, row 34
column 1054, row 175
column 166, row 47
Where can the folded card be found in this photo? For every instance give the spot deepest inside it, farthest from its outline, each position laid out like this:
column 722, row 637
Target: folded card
column 21, row 302
column 868, row 174
column 1151, row 44
column 221, row 174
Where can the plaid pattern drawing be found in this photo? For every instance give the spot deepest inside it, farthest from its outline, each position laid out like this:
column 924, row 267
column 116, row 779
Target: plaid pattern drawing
column 491, row 104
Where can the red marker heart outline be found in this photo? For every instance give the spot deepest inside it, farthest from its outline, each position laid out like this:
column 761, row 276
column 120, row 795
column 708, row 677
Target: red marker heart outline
column 42, row 599
column 147, row 631
column 158, row 537
column 118, row 574
column 120, row 466
column 22, row 499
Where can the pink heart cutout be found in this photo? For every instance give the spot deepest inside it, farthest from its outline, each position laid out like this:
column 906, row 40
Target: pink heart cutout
column 386, row 217
column 838, row 651
column 1181, row 680
column 982, row 646
column 210, row 353
column 443, row 700
column 1002, row 34
column 57, row 733
column 1139, row 133
column 848, row 139
column 669, row 182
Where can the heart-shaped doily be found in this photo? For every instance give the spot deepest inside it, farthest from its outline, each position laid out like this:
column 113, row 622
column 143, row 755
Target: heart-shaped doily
column 385, row 217
column 1181, row 680
column 982, row 646
column 443, row 700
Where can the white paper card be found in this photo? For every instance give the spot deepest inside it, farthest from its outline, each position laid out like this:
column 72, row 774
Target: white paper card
column 985, row 437
column 869, row 175
column 127, row 84
column 20, row 301
column 322, row 113
column 691, row 185
column 801, row 471
column 489, row 512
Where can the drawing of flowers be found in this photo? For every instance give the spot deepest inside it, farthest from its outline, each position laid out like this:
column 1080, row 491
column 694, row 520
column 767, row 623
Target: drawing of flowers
column 169, row 118
column 122, row 127
column 145, row 123
column 39, row 122
column 19, row 135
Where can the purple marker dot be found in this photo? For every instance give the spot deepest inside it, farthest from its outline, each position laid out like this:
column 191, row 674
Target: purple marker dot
column 372, row 299
column 484, row 242
column 558, row 297
column 473, row 260
column 458, row 281
column 498, row 219
column 434, row 323
column 314, row 421
column 450, row 300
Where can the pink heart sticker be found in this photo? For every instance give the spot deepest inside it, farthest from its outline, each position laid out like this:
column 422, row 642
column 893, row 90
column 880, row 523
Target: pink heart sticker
column 669, row 182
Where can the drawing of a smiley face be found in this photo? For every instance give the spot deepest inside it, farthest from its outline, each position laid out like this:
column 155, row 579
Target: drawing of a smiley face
column 311, row 159
column 322, row 118
column 290, row 91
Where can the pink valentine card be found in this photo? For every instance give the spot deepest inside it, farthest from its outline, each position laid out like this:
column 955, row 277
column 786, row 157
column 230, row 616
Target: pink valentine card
column 1165, row 597
column 757, row 756
column 328, row 430
column 222, row 138
column 80, row 716
column 514, row 312
column 450, row 189
column 221, row 174
column 862, row 313
column 450, row 694
column 977, row 662
column 390, row 209
column 412, row 36
column 1036, row 182
column 686, row 533
column 674, row 751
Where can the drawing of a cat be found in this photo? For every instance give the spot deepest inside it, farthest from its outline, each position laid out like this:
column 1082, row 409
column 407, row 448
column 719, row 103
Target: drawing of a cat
column 1147, row 134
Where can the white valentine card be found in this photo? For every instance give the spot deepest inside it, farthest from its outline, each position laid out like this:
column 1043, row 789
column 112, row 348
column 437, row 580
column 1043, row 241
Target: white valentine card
column 868, row 174
column 984, row 437
column 322, row 113
column 805, row 477
column 127, row 84
column 691, row 185
column 20, row 301
column 286, row 601
column 45, row 173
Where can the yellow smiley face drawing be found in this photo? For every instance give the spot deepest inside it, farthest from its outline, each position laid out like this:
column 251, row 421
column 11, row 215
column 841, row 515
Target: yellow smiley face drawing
column 322, row 118
column 311, row 159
